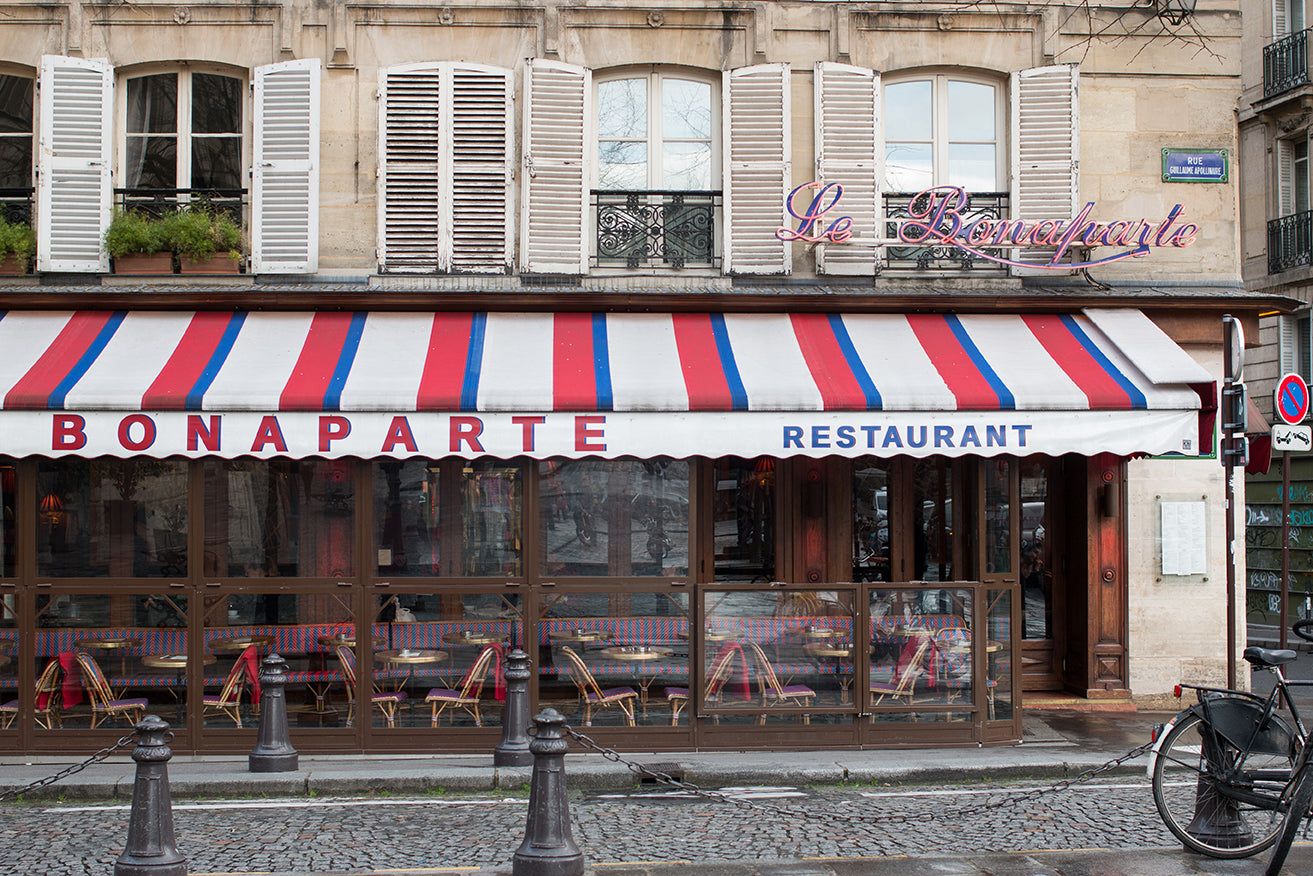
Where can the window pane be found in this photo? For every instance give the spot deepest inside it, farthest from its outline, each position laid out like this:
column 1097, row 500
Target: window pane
column 685, row 109
column 492, row 511
column 908, row 167
column 15, row 105
column 932, row 526
column 216, row 104
column 216, row 163
column 686, row 166
column 622, row 108
column 622, row 166
column 280, row 517
column 111, row 518
column 407, row 518
column 744, row 519
column 908, row 111
column 972, row 167
column 153, row 104
column 871, row 521
column 151, row 162
column 1301, row 176
column 998, row 518
column 16, row 161
column 8, row 522
column 1036, row 577
column 970, row 111
column 920, row 652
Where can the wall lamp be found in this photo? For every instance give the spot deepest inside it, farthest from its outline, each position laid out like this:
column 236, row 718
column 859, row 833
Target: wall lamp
column 1174, row 12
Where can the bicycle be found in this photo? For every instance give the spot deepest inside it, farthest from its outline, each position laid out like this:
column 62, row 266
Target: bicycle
column 1298, row 799
column 1222, row 769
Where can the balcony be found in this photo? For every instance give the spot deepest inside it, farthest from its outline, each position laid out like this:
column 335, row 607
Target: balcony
column 656, row 229
column 1285, row 64
column 156, row 202
column 990, row 205
column 1289, row 242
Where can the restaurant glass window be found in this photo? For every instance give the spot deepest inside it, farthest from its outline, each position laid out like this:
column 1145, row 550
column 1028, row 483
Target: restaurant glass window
column 998, row 675
column 242, row 628
column 8, row 518
column 439, row 658
column 1036, row 575
column 777, row 656
column 998, row 516
column 932, row 520
column 921, row 654
column 602, row 517
column 105, row 660
column 743, row 519
column 112, row 518
column 871, row 504
column 615, row 658
column 410, row 511
column 279, row 518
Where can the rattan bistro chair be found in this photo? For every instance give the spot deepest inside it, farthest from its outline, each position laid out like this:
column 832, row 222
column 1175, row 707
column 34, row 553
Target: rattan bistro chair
column 466, row 694
column 903, row 684
column 104, row 705
column 229, row 699
column 387, row 701
column 717, row 675
column 49, row 697
column 774, row 693
column 592, row 693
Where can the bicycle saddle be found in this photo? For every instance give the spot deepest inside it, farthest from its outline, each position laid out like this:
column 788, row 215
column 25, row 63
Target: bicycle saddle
column 1267, row 659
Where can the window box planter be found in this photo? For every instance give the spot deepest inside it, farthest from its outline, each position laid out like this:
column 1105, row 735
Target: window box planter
column 12, row 264
column 221, row 263
column 144, row 263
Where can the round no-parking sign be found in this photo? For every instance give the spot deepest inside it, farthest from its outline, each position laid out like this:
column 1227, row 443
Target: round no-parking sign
column 1291, row 401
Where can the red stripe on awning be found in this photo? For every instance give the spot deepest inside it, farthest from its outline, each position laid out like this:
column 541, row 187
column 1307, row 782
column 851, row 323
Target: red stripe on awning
column 1092, row 378
column 829, row 367
column 704, row 376
column 953, row 362
column 33, row 391
column 309, row 380
column 444, row 368
column 574, row 372
column 189, row 360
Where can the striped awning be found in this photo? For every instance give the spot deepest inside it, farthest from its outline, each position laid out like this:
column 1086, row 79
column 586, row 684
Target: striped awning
column 577, row 384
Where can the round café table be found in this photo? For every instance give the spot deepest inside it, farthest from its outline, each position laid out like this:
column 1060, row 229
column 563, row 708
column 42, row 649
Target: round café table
column 475, row 637
column 581, row 637
column 717, row 634
column 121, row 644
column 638, row 654
column 409, row 659
column 178, row 663
column 838, row 652
column 240, row 643
column 334, row 641
column 811, row 632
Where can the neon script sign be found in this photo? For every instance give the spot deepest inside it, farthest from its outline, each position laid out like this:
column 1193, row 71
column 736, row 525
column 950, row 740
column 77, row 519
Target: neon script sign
column 939, row 216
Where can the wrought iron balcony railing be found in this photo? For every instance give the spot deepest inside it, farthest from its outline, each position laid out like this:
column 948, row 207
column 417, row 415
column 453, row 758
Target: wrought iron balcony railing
column 656, row 228
column 1285, row 63
column 157, row 202
column 991, row 205
column 16, row 204
column 1289, row 242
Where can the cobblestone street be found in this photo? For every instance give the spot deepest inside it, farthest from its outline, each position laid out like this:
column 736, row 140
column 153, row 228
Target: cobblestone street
column 322, row 835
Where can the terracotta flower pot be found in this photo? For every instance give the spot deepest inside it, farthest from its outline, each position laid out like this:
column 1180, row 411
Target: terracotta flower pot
column 11, row 264
column 144, row 263
column 220, row 263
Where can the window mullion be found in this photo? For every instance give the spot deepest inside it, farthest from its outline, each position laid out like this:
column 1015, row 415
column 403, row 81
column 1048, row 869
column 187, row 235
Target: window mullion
column 183, row 126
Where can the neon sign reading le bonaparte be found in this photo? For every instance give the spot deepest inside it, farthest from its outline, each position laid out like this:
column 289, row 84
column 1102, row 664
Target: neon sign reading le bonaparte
column 938, row 217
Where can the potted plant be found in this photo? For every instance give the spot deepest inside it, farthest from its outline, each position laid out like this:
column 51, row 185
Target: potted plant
column 206, row 241
column 17, row 242
column 137, row 244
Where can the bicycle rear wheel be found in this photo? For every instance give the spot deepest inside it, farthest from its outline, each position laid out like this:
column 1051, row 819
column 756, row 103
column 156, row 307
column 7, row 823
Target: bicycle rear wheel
column 1189, row 790
column 1298, row 811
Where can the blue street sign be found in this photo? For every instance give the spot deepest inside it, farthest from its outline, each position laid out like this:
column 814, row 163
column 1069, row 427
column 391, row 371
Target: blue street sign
column 1199, row 165
column 1292, row 399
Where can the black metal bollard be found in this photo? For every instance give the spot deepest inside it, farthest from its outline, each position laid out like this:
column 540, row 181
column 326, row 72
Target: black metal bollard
column 513, row 750
column 273, row 752
column 151, row 850
column 548, row 848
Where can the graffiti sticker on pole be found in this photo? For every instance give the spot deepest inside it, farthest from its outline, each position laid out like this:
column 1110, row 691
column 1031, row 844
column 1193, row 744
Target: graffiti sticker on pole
column 1291, row 400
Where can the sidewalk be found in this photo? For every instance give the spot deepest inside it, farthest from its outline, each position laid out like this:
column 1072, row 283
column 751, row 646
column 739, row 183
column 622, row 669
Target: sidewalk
column 1057, row 744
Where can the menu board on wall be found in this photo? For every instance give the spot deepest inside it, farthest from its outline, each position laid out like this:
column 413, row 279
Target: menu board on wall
column 1183, row 542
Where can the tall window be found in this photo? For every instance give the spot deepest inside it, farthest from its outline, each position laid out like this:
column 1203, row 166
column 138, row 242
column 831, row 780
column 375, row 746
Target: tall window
column 183, row 130
column 941, row 130
column 15, row 146
column 655, row 131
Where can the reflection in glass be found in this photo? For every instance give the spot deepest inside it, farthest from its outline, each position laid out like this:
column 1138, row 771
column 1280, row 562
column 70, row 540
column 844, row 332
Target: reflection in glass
column 921, row 652
column 970, row 110
column 998, row 517
column 615, row 658
column 743, row 519
column 492, row 511
column 686, row 167
column 279, row 517
column 117, row 518
column 972, row 166
column 932, row 523
column 109, row 642
column 8, row 519
column 151, row 159
column 408, row 517
column 999, row 653
column 622, row 108
column 16, row 131
column 871, row 503
column 614, row 517
column 1036, row 568
column 909, row 167
column 908, row 110
column 685, row 109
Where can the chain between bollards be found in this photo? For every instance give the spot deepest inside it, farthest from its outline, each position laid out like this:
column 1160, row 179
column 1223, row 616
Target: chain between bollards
column 513, row 750
column 273, row 752
column 548, row 848
column 151, row 849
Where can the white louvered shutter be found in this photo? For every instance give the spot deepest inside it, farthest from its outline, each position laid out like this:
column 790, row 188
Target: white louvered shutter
column 285, row 175
column 73, row 171
column 1280, row 19
column 409, row 171
column 1285, row 178
column 1045, row 157
column 757, row 168
column 1287, row 345
column 849, row 144
column 557, row 106
column 481, row 130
